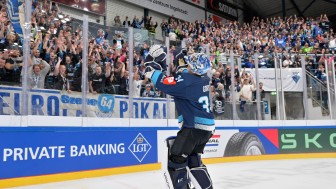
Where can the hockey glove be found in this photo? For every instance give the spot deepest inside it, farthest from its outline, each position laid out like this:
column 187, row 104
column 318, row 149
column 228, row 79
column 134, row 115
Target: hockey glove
column 157, row 58
column 154, row 65
column 149, row 71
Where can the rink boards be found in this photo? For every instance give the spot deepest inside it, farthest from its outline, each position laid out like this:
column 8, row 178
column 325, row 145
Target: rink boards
column 52, row 150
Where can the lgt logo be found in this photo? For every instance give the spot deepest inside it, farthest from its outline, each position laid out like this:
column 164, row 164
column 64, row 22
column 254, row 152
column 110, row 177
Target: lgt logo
column 139, row 147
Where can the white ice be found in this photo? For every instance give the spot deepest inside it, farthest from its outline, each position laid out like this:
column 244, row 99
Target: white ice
column 272, row 174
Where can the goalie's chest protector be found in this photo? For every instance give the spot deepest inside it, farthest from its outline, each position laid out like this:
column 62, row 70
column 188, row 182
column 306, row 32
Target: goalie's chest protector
column 193, row 107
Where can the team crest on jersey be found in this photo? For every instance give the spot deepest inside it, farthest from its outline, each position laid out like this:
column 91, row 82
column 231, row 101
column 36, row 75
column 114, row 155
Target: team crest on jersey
column 169, row 81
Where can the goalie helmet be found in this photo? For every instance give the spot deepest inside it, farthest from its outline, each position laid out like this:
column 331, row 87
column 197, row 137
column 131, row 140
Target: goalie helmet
column 199, row 63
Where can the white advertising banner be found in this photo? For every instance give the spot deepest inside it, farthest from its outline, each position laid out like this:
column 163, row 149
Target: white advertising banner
column 291, row 78
column 177, row 8
column 213, row 149
column 56, row 103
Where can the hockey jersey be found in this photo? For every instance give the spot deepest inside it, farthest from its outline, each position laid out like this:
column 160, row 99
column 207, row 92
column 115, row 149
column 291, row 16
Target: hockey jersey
column 191, row 96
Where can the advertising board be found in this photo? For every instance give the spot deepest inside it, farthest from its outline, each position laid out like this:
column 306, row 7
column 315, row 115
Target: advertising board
column 307, row 140
column 221, row 7
column 57, row 103
column 40, row 153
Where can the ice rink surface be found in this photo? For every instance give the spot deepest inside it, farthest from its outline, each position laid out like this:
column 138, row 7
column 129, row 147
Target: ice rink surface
column 267, row 174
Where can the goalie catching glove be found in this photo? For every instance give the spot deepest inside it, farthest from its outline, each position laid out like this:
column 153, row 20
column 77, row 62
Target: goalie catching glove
column 156, row 58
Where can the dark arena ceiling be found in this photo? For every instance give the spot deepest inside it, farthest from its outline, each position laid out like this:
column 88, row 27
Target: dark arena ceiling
column 305, row 8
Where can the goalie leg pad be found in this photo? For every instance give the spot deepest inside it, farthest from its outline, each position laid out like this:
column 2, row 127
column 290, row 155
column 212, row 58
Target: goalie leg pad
column 198, row 173
column 178, row 174
column 200, row 178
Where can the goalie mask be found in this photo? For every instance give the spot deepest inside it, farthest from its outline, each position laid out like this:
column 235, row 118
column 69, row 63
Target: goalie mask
column 199, row 63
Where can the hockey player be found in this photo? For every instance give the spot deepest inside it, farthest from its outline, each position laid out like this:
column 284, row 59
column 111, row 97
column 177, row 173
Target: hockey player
column 190, row 90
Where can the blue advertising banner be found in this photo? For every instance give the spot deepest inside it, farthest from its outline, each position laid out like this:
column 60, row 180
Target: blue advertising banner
column 39, row 153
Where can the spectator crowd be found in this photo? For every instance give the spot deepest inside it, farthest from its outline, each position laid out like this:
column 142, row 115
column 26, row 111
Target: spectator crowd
column 56, row 51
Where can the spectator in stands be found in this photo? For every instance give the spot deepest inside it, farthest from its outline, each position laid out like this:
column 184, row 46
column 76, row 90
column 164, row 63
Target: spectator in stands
column 14, row 66
column 70, row 68
column 110, row 85
column 246, row 92
column 322, row 76
column 287, row 62
column 332, row 42
column 117, row 21
column 261, row 90
column 249, row 63
column 151, row 27
column 236, row 90
column 137, row 84
column 227, row 83
column 10, row 40
column 280, row 41
column 148, row 91
column 144, row 51
column 172, row 37
column 296, row 61
column 309, row 63
column 126, row 22
column 52, row 63
column 3, row 71
column 306, row 48
column 61, row 81
column 92, row 64
column 124, row 83
column 76, row 85
column 324, row 23
column 218, row 102
column 101, row 36
column 159, row 94
column 147, row 21
column 136, row 23
column 164, row 28
column 98, row 80
column 217, row 79
column 37, row 74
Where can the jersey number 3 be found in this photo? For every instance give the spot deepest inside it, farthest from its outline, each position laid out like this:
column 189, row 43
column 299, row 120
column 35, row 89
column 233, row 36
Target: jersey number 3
column 204, row 100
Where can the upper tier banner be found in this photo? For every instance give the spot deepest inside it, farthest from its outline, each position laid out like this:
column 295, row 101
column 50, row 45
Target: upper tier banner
column 175, row 8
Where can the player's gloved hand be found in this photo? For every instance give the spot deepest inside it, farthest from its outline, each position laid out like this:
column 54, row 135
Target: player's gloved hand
column 149, row 71
column 156, row 58
column 154, row 65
